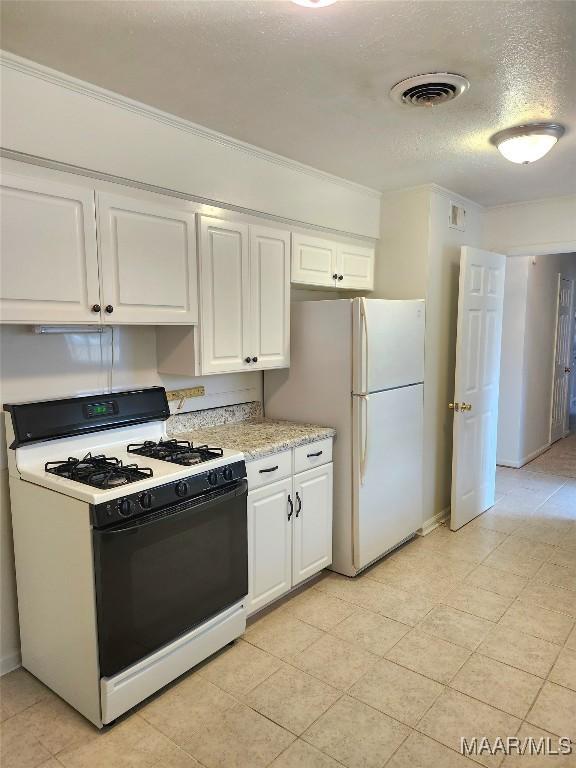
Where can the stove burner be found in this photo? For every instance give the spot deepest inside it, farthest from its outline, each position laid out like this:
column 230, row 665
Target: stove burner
column 176, row 451
column 98, row 471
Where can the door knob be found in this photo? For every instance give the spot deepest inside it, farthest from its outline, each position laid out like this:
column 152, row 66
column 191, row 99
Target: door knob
column 454, row 406
column 465, row 406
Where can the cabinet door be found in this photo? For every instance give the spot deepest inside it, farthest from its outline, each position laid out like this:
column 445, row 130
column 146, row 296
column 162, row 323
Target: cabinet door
column 269, row 543
column 314, row 260
column 312, row 530
column 224, row 296
column 270, row 293
column 49, row 271
column 356, row 266
column 147, row 261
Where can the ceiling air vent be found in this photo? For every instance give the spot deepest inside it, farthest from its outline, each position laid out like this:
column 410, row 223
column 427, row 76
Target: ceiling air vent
column 429, row 90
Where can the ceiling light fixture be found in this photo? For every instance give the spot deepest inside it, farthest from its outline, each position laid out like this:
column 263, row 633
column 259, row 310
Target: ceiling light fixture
column 314, row 3
column 524, row 144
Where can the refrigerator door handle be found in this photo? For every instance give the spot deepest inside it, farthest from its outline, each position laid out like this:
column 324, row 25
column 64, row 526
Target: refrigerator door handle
column 364, row 441
column 364, row 319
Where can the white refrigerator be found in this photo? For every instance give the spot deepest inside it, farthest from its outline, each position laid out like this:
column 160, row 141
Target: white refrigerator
column 358, row 365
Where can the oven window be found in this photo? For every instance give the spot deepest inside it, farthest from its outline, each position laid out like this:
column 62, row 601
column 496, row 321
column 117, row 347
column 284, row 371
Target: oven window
column 158, row 580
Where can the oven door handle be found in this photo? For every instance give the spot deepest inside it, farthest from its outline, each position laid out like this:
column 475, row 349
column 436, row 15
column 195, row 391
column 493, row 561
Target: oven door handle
column 169, row 513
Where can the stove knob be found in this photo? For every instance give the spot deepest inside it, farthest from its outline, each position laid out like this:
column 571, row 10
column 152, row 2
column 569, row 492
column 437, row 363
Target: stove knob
column 212, row 477
column 181, row 488
column 227, row 473
column 145, row 500
column 125, row 507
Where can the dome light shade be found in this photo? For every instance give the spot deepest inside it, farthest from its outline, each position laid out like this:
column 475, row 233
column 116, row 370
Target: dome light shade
column 314, row 3
column 524, row 144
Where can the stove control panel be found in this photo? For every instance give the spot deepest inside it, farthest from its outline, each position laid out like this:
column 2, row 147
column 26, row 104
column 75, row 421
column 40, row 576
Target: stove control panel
column 142, row 502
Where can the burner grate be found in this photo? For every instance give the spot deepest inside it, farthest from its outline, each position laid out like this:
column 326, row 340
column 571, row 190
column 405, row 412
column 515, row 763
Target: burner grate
column 101, row 471
column 175, row 451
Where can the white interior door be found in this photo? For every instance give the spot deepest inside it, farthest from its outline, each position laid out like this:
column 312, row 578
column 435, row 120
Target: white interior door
column 560, row 387
column 478, row 342
column 270, row 287
column 148, row 261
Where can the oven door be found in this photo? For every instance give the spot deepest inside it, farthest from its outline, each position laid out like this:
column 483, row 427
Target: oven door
column 160, row 575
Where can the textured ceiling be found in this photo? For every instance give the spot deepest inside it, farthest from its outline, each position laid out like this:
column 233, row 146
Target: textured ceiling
column 313, row 84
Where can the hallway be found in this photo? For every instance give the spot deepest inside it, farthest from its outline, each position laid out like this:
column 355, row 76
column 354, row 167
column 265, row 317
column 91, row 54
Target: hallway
column 456, row 634
column 559, row 459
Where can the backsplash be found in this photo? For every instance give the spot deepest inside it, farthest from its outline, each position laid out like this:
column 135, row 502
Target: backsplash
column 212, row 417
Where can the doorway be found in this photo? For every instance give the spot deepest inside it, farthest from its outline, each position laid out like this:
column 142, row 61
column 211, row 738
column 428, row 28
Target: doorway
column 537, row 372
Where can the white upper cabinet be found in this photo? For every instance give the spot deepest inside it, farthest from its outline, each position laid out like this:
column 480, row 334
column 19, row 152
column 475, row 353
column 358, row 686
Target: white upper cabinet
column 355, row 267
column 244, row 296
column 314, row 260
column 312, row 532
column 270, row 292
column 49, row 267
column 147, row 261
column 325, row 263
column 224, row 296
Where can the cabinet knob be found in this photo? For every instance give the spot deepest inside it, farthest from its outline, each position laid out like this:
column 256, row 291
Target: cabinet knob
column 96, row 307
column 340, row 277
column 109, row 308
column 335, row 276
column 254, row 359
column 248, row 360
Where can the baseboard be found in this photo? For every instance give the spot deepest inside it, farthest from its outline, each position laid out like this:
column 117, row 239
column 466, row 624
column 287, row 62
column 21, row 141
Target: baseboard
column 525, row 459
column 9, row 662
column 433, row 522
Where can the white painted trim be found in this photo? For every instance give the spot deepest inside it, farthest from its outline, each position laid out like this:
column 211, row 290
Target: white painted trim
column 543, row 249
column 516, row 464
column 520, row 203
column 55, row 77
column 9, row 662
column 434, row 522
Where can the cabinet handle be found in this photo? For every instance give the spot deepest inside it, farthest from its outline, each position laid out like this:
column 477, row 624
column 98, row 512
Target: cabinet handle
column 254, row 359
column 268, row 469
column 247, row 360
column 299, row 500
column 291, row 507
column 96, row 307
column 335, row 276
column 340, row 277
column 109, row 308
column 314, row 455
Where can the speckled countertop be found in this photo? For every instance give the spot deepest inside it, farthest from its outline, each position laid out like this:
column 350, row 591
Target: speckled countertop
column 258, row 437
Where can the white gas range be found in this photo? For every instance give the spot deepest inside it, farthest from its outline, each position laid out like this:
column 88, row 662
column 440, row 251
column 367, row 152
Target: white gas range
column 130, row 547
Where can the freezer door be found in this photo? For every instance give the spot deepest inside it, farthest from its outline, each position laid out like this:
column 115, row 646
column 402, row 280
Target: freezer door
column 387, row 468
column 388, row 344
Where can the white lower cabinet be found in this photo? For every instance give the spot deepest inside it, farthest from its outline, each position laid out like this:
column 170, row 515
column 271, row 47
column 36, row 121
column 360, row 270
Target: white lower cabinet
column 269, row 543
column 312, row 529
column 289, row 533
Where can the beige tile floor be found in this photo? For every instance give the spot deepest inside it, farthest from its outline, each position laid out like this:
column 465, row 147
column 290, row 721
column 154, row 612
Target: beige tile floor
column 456, row 634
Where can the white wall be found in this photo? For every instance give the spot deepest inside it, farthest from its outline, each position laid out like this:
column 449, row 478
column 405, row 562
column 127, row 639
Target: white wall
column 526, row 228
column 36, row 367
column 526, row 378
column 419, row 257
column 56, row 117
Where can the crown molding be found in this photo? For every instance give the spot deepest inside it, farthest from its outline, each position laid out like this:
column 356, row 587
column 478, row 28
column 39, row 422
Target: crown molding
column 33, row 69
column 536, row 201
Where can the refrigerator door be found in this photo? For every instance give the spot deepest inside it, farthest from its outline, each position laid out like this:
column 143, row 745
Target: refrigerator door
column 387, row 469
column 388, row 344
